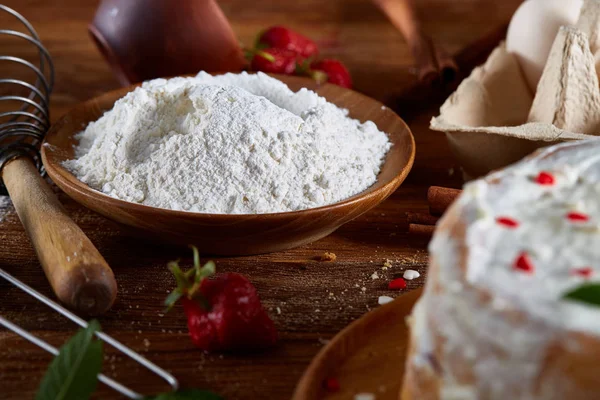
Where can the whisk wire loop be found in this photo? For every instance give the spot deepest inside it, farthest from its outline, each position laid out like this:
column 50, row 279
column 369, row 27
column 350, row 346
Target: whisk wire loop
column 22, row 130
column 21, row 133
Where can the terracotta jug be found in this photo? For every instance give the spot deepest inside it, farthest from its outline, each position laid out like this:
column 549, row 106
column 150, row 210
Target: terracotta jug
column 145, row 39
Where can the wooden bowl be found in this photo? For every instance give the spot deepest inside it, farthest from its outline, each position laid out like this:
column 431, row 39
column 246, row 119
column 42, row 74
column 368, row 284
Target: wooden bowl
column 239, row 234
column 367, row 356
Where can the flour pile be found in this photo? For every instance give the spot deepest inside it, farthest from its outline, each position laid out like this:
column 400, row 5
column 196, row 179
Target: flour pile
column 230, row 144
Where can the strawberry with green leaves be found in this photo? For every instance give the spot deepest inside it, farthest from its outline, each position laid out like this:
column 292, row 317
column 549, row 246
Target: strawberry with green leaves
column 223, row 311
column 280, row 37
column 275, row 61
column 332, row 71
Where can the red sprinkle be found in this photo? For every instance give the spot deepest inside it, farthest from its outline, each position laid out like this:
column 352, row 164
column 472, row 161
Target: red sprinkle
column 575, row 216
column 524, row 264
column 397, row 284
column 508, row 222
column 545, row 178
column 585, row 272
column 331, row 385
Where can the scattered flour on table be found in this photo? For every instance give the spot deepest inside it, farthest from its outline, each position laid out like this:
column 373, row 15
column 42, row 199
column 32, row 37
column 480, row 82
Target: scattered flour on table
column 230, row 144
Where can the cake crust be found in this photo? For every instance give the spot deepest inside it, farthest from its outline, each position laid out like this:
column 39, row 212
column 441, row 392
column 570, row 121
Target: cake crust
column 492, row 323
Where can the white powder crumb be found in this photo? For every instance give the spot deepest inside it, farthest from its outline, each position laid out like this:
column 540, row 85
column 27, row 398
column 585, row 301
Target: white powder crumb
column 364, row 396
column 363, row 289
column 229, row 144
column 278, row 310
column 410, row 274
column 324, row 341
column 375, row 275
column 384, row 300
column 146, row 343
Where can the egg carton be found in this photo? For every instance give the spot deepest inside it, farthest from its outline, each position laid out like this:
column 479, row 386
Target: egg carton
column 494, row 119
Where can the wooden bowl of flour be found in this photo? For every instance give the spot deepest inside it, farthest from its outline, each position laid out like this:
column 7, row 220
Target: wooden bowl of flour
column 235, row 234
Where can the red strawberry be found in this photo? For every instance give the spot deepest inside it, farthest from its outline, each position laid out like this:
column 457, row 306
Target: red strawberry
column 277, row 61
column 332, row 71
column 284, row 38
column 223, row 312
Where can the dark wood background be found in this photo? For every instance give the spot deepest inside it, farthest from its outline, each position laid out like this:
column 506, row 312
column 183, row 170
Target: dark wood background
column 316, row 300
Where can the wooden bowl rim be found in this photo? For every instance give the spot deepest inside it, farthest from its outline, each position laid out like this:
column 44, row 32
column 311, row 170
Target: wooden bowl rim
column 61, row 176
column 311, row 378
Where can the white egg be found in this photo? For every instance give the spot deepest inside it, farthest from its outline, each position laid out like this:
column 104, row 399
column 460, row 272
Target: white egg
column 532, row 31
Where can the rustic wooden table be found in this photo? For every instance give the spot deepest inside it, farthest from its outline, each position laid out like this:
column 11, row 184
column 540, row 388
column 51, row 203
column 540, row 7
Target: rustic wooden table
column 310, row 301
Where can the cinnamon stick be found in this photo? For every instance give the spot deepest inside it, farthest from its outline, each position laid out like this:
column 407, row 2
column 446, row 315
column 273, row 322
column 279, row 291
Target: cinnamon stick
column 432, row 62
column 422, row 219
column 440, row 198
column 414, row 98
column 421, row 230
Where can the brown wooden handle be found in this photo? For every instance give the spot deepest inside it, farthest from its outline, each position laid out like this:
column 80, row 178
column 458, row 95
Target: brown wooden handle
column 79, row 275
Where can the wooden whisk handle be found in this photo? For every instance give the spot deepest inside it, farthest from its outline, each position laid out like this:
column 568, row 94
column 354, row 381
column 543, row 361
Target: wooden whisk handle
column 79, row 275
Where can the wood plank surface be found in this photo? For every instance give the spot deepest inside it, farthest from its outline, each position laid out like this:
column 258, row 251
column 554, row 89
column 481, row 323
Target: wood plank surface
column 310, row 301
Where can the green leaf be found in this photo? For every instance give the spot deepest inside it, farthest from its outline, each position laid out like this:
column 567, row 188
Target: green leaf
column 73, row 372
column 209, row 269
column 196, row 255
column 172, row 298
column 267, row 56
column 587, row 293
column 186, row 394
column 180, row 277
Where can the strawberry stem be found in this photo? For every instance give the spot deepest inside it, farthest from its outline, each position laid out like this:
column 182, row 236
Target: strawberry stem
column 196, row 256
column 250, row 53
column 318, row 76
column 189, row 282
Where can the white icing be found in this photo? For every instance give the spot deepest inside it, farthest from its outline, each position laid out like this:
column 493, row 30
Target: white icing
column 506, row 355
column 556, row 245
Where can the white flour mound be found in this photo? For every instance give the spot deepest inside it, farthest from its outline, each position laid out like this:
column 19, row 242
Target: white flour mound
column 230, row 144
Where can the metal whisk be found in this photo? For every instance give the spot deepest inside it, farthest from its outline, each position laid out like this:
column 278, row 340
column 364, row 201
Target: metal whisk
column 79, row 275
column 25, row 129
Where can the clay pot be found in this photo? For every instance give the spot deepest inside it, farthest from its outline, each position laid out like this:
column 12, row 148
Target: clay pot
column 145, row 39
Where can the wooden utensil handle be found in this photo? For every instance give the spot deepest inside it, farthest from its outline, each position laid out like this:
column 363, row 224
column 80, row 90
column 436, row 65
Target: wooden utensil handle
column 79, row 275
